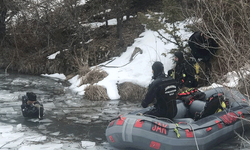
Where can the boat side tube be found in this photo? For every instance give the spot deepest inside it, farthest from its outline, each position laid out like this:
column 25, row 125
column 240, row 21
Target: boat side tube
column 136, row 131
column 141, row 132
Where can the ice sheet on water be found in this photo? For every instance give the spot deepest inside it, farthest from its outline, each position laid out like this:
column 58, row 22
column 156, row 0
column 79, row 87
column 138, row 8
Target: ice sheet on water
column 88, row 144
column 20, row 81
column 92, row 116
column 67, row 111
column 14, row 104
column 45, row 131
column 72, row 118
column 73, row 103
column 70, row 146
column 13, row 143
column 10, row 139
column 6, row 128
column 49, row 106
column 46, row 120
column 42, row 127
column 110, row 111
column 113, row 102
column 36, row 138
column 6, row 96
column 47, row 146
column 95, row 117
column 6, row 110
column 12, row 121
column 34, row 120
column 4, row 75
column 81, row 121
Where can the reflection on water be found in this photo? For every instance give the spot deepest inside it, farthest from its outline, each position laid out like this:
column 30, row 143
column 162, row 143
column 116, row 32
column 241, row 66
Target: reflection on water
column 68, row 115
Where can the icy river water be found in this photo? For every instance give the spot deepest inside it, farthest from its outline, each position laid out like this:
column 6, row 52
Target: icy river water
column 67, row 115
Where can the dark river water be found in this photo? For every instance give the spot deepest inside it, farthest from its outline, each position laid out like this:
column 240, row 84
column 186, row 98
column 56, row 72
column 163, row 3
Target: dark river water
column 69, row 114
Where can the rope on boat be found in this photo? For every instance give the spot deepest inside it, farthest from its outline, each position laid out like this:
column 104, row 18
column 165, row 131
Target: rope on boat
column 177, row 131
column 171, row 121
column 191, row 127
column 162, row 118
column 159, row 118
column 195, row 139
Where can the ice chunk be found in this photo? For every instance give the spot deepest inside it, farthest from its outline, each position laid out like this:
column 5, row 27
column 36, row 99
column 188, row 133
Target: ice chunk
column 20, row 81
column 55, row 133
column 109, row 111
column 46, row 120
column 34, row 120
column 19, row 127
column 36, row 138
column 72, row 118
column 41, row 127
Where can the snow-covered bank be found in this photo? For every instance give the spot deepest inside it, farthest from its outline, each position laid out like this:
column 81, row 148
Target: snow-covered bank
column 138, row 71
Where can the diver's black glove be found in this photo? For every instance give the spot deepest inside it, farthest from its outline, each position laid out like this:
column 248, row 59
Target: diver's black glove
column 24, row 100
column 170, row 72
column 143, row 104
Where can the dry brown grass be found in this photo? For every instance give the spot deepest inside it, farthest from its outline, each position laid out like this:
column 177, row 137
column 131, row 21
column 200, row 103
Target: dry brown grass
column 32, row 64
column 96, row 93
column 93, row 76
column 93, row 92
column 52, row 66
column 70, row 76
column 131, row 92
column 83, row 70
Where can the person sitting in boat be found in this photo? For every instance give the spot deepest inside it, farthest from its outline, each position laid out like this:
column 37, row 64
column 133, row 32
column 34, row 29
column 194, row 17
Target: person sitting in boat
column 31, row 108
column 164, row 90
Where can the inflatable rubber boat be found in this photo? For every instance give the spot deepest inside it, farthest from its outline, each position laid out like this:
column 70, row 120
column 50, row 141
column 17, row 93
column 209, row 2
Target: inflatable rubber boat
column 137, row 131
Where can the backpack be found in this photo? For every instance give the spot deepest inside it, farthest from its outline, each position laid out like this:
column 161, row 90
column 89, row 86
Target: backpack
column 190, row 95
column 214, row 104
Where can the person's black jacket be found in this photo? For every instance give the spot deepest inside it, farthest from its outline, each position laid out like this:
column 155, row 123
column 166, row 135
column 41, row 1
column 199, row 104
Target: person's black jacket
column 31, row 111
column 184, row 71
column 202, row 47
column 184, row 74
column 164, row 90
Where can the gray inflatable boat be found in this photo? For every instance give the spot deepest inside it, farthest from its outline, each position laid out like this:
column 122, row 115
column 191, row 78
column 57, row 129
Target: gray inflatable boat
column 137, row 131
